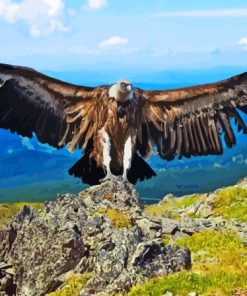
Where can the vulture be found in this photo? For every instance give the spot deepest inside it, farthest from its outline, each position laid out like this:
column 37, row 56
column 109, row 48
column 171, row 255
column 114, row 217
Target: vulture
column 118, row 126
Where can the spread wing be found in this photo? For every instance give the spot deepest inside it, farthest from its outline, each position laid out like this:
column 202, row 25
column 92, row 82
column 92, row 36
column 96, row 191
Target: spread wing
column 57, row 112
column 191, row 121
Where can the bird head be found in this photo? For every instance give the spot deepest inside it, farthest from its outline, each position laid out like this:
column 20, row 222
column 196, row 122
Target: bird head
column 122, row 90
column 124, row 86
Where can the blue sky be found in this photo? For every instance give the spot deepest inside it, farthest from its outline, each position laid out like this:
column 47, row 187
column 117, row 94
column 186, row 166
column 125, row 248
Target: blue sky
column 151, row 35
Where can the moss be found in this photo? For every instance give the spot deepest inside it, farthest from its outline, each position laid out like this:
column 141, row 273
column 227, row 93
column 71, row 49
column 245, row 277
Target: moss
column 118, row 219
column 171, row 207
column 218, row 283
column 194, row 216
column 219, row 267
column 167, row 239
column 72, row 285
column 211, row 241
column 188, row 201
column 216, row 249
column 7, row 211
column 231, row 202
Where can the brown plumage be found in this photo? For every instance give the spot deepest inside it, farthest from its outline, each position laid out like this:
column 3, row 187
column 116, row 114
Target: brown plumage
column 125, row 122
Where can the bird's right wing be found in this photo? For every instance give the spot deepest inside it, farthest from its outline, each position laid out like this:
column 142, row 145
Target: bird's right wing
column 189, row 121
column 57, row 112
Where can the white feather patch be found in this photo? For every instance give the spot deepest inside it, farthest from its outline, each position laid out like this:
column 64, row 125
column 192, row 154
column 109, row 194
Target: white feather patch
column 106, row 150
column 127, row 154
column 4, row 78
column 130, row 96
column 113, row 91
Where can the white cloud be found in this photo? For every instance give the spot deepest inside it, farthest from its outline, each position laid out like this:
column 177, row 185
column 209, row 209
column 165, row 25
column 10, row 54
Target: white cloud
column 55, row 6
column 57, row 25
column 113, row 41
column 243, row 41
column 34, row 31
column 95, row 4
column 239, row 12
column 41, row 16
column 8, row 10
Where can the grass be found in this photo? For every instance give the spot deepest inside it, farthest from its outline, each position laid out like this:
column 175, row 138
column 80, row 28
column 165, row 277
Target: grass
column 171, row 207
column 118, row 219
column 219, row 267
column 220, row 250
column 231, row 202
column 72, row 285
column 7, row 211
column 180, row 284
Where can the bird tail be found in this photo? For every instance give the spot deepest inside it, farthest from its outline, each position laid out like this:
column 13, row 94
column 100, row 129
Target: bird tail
column 139, row 170
column 87, row 170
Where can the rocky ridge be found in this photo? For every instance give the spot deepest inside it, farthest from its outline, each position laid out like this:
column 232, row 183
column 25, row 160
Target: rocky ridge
column 102, row 231
column 105, row 233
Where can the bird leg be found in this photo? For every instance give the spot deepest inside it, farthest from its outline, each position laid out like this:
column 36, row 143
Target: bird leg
column 127, row 158
column 106, row 157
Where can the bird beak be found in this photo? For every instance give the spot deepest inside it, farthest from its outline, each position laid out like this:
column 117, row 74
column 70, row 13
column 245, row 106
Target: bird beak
column 129, row 87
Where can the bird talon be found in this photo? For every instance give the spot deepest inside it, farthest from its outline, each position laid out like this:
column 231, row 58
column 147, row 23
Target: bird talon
column 108, row 178
column 104, row 179
column 125, row 179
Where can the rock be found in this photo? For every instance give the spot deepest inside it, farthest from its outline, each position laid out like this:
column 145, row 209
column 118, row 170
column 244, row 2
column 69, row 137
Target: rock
column 204, row 209
column 243, row 236
column 168, row 294
column 4, row 266
column 3, row 242
column 102, row 230
column 192, row 294
column 166, row 198
column 43, row 248
column 180, row 234
column 188, row 225
column 243, row 183
column 150, row 228
column 169, row 226
column 239, row 292
column 219, row 222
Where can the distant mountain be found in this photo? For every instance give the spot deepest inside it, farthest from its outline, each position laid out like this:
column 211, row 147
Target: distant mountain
column 27, row 167
column 33, row 171
column 148, row 79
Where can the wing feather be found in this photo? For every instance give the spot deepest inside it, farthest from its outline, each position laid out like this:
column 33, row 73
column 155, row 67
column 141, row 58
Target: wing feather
column 31, row 102
column 192, row 121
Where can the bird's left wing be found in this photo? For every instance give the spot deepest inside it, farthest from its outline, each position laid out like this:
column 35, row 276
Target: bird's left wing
column 190, row 121
column 56, row 111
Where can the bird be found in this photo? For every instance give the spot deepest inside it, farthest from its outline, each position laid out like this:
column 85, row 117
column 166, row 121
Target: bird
column 118, row 126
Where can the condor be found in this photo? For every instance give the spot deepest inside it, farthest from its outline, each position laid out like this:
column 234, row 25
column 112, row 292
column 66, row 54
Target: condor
column 118, row 125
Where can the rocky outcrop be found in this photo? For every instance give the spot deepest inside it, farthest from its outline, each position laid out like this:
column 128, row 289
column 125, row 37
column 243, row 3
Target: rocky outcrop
column 200, row 215
column 102, row 230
